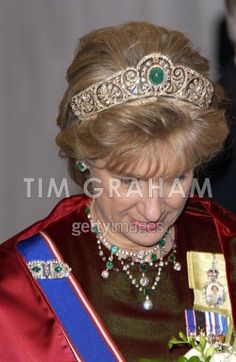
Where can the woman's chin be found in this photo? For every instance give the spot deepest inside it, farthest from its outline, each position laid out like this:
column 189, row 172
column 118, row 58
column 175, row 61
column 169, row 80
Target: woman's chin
column 144, row 240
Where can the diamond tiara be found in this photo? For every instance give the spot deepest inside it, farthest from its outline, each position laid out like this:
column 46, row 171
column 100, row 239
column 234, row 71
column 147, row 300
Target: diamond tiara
column 154, row 75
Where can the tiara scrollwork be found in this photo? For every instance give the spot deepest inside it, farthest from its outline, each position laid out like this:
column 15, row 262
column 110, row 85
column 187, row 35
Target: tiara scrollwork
column 155, row 75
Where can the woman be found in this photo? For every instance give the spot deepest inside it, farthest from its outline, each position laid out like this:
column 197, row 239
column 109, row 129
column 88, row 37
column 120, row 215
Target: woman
column 114, row 275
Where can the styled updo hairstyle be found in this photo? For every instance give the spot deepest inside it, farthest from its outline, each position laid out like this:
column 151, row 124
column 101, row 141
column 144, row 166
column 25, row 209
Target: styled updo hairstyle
column 152, row 128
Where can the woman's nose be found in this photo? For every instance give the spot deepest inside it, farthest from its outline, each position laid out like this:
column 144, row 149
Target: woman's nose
column 150, row 208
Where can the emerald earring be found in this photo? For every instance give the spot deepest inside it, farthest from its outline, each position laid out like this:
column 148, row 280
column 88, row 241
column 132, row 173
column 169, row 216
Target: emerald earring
column 81, row 166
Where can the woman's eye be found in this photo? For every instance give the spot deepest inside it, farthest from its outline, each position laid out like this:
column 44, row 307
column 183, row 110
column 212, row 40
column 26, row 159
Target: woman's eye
column 182, row 176
column 185, row 175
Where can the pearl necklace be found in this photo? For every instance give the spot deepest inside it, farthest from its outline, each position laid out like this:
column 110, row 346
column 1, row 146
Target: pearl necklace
column 127, row 260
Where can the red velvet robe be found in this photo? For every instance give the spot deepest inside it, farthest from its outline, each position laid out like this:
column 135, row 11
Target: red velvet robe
column 30, row 330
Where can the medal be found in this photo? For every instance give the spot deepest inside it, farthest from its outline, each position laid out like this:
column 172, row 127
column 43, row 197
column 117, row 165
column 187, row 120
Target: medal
column 213, row 291
column 212, row 324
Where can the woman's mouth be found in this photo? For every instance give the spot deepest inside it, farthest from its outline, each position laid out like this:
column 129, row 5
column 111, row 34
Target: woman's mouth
column 147, row 226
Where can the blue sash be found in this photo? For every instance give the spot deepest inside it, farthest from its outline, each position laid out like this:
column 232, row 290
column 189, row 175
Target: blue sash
column 79, row 321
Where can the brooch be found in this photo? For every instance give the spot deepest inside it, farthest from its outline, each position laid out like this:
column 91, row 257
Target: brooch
column 51, row 269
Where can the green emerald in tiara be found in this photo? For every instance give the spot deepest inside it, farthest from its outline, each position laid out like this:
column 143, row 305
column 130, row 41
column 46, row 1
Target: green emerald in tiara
column 156, row 75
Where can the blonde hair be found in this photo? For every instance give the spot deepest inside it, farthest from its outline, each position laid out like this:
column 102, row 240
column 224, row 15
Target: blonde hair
column 151, row 129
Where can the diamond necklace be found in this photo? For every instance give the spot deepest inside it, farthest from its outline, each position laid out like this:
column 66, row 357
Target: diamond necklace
column 126, row 260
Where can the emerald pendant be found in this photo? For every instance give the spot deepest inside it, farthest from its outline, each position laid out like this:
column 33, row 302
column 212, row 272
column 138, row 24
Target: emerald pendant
column 148, row 291
column 172, row 257
column 109, row 265
column 144, row 267
column 154, row 257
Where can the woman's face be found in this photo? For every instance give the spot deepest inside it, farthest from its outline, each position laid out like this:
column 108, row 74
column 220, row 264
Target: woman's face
column 138, row 212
